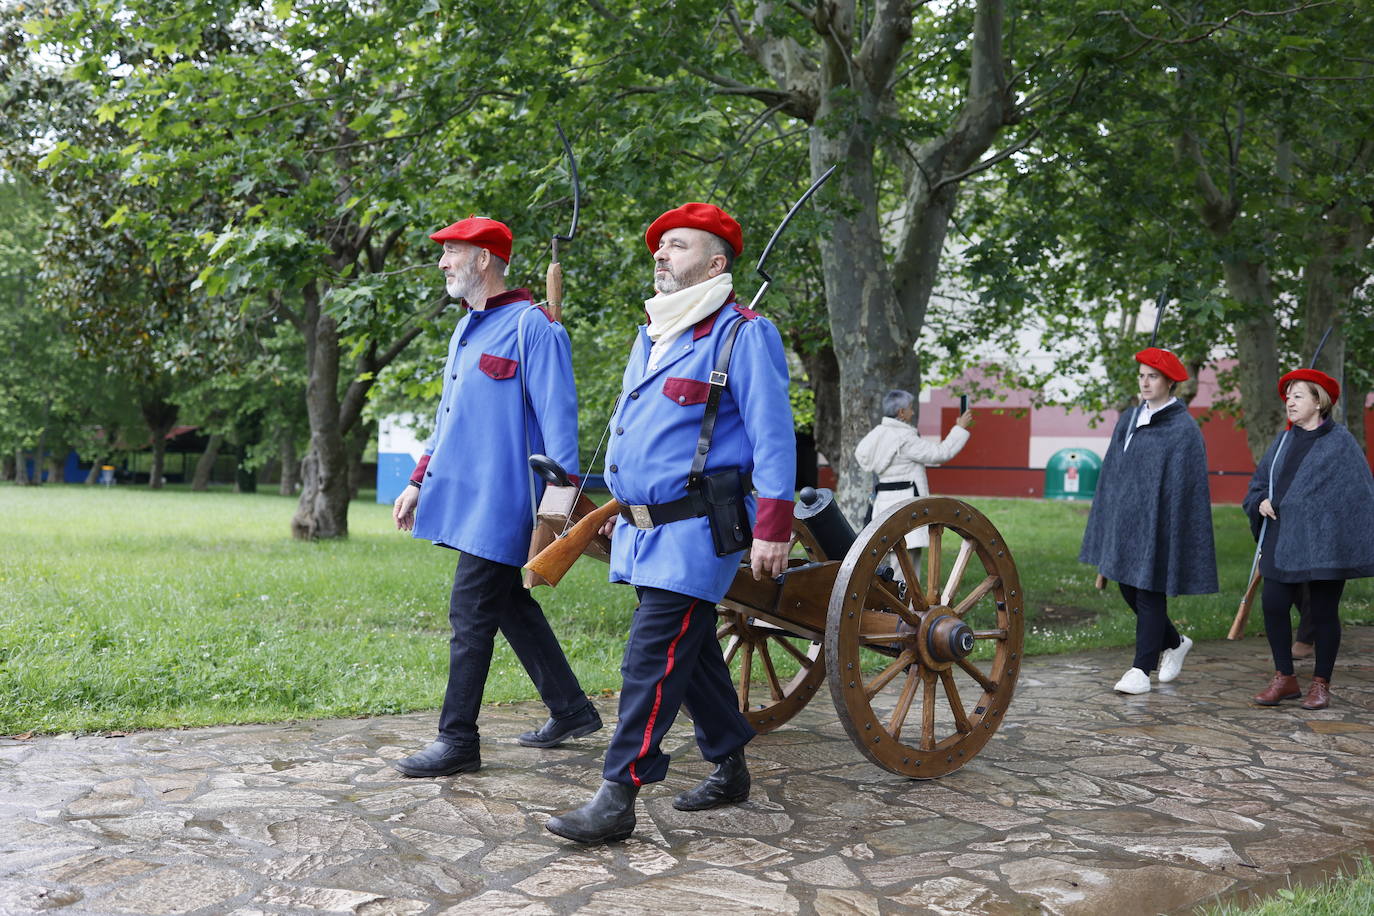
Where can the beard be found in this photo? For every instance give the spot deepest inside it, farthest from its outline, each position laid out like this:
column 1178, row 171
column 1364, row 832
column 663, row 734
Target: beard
column 464, row 280
column 672, row 282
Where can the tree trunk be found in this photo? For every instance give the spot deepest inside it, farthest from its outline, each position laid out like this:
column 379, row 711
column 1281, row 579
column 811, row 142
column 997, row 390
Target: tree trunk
column 161, row 416
column 1355, row 417
column 358, row 438
column 38, row 458
column 205, row 466
column 823, row 369
column 286, row 454
column 323, row 508
column 93, row 474
column 21, row 473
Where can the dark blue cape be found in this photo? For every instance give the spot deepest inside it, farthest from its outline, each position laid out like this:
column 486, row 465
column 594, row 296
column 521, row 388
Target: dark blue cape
column 1151, row 519
column 1326, row 511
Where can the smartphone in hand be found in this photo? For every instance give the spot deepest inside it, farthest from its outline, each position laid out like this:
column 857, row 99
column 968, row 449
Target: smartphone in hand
column 963, row 404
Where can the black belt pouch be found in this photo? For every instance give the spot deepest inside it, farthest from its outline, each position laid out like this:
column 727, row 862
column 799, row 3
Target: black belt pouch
column 723, row 496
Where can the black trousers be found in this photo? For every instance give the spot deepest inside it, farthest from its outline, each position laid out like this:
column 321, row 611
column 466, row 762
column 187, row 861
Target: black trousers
column 1322, row 610
column 1154, row 631
column 672, row 658
column 488, row 596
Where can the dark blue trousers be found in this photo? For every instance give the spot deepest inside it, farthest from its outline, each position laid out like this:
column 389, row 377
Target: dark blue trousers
column 488, row 596
column 672, row 659
column 1154, row 631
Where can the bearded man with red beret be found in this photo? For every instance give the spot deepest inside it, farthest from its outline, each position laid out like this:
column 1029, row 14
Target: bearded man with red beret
column 667, row 543
column 1311, row 506
column 508, row 393
column 1150, row 526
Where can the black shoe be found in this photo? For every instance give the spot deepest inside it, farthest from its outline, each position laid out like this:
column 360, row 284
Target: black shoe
column 728, row 784
column 440, row 759
column 555, row 731
column 608, row 817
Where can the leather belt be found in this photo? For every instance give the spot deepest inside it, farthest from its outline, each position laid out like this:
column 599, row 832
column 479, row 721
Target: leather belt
column 895, row 485
column 689, row 506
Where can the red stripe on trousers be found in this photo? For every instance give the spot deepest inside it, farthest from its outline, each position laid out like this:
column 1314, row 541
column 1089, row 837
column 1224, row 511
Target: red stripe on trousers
column 658, row 693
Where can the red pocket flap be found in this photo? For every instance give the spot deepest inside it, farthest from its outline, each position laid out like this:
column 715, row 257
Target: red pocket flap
column 686, row 390
column 497, row 366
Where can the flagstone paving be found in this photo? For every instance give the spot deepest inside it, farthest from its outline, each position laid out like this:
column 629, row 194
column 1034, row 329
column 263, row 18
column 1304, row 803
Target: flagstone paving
column 1085, row 802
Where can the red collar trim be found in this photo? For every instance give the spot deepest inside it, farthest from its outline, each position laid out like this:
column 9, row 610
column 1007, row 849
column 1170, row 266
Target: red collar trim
column 506, row 298
column 705, row 325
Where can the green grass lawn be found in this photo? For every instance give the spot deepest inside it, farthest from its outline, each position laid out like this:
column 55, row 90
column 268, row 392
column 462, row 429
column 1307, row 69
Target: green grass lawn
column 127, row 608
column 1347, row 893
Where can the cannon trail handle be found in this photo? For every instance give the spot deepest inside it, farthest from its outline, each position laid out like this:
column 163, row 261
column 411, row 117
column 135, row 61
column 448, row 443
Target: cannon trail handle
column 1243, row 613
column 554, row 561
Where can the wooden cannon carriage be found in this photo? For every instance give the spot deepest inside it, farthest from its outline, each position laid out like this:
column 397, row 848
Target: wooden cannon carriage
column 923, row 662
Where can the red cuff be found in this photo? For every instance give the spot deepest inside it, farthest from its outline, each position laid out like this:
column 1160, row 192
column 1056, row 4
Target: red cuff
column 574, row 480
column 774, row 521
column 418, row 475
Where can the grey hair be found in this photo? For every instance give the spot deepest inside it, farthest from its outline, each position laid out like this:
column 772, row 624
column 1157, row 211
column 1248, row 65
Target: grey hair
column 723, row 248
column 896, row 400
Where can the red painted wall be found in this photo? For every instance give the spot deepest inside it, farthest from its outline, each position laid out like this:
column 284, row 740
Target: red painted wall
column 993, row 463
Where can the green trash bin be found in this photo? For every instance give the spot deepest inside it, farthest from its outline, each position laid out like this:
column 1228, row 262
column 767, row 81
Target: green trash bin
column 1072, row 474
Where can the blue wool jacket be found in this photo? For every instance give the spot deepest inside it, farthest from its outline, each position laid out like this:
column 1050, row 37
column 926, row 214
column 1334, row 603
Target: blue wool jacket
column 476, row 482
column 1151, row 520
column 654, row 434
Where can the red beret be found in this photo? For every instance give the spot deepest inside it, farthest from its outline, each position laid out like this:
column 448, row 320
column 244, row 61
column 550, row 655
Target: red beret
column 697, row 216
column 1164, row 361
column 1332, row 386
column 490, row 234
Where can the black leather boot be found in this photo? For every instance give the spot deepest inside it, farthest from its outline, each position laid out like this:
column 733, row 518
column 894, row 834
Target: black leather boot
column 728, row 784
column 555, row 731
column 440, row 759
column 608, row 817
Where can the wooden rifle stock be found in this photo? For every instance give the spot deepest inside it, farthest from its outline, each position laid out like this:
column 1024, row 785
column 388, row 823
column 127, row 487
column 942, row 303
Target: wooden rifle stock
column 1243, row 613
column 556, row 559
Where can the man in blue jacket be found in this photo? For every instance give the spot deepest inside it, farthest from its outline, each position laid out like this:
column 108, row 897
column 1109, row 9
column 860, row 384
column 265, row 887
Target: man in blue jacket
column 508, row 393
column 663, row 543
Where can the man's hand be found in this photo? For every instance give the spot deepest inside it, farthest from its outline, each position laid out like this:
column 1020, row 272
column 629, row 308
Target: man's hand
column 965, row 419
column 403, row 510
column 608, row 527
column 768, row 558
column 1266, row 508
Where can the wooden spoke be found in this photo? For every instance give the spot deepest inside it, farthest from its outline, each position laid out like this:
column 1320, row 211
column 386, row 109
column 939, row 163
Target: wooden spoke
column 746, row 672
column 976, row 595
column 869, row 639
column 802, row 658
column 899, row 712
column 956, row 575
column 972, row 671
column 725, row 629
column 990, row 634
column 961, row 721
column 928, row 715
column 890, row 599
column 774, row 685
column 731, row 648
column 909, row 574
column 887, row 674
column 933, row 565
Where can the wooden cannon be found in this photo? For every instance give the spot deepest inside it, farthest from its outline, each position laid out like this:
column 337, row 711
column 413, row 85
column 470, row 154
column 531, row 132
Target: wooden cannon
column 923, row 661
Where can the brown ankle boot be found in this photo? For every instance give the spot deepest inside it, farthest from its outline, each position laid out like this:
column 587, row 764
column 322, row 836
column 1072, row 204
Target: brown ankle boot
column 1318, row 694
column 1282, row 687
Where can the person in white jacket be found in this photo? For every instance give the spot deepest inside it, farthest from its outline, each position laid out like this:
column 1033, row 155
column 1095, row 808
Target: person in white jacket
column 895, row 451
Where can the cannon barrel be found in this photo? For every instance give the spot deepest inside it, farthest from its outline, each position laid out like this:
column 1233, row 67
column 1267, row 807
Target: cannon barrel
column 820, row 513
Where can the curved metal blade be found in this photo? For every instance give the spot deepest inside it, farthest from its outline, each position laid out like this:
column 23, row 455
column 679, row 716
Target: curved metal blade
column 768, row 249
column 576, row 184
column 1318, row 351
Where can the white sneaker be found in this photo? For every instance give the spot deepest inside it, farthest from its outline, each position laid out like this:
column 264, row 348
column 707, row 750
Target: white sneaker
column 1133, row 681
column 1171, row 660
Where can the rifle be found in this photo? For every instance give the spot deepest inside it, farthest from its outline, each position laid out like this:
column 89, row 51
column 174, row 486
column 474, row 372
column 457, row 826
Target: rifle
column 555, row 560
column 1243, row 614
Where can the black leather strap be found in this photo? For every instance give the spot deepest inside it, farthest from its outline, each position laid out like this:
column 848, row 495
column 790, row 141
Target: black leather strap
column 894, row 485
column 719, row 378
column 689, row 506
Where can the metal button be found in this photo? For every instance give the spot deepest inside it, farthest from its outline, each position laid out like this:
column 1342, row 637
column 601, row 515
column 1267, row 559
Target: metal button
column 429, row 473
column 462, row 343
column 613, row 469
column 682, row 399
column 620, row 430
column 634, row 395
column 455, row 375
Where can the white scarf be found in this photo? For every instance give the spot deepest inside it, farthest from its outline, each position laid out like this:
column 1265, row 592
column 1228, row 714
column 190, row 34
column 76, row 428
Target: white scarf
column 672, row 313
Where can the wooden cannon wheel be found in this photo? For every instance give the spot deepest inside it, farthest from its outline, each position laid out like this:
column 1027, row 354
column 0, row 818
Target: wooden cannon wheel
column 911, row 685
column 755, row 649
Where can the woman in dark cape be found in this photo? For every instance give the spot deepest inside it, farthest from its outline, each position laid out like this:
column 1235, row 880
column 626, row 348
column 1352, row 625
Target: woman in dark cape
column 1150, row 528
column 1311, row 507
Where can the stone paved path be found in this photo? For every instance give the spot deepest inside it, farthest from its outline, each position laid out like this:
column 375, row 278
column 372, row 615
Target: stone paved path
column 1085, row 802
